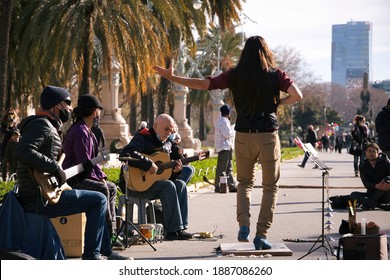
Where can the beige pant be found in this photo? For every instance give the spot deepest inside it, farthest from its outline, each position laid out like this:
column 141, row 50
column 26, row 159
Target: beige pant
column 251, row 148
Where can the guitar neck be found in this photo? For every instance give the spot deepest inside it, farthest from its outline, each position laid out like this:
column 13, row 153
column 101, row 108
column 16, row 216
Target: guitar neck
column 74, row 170
column 172, row 163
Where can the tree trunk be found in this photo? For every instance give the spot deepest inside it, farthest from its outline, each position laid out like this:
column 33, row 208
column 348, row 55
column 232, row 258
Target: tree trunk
column 163, row 92
column 202, row 134
column 171, row 105
column 188, row 113
column 150, row 109
column 86, row 67
column 133, row 114
column 5, row 23
column 145, row 106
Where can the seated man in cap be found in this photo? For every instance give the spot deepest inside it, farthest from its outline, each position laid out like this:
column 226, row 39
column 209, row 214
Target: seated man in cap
column 224, row 134
column 80, row 146
column 171, row 192
column 375, row 175
column 39, row 149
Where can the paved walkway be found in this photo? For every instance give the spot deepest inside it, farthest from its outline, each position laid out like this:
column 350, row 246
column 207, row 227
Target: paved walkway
column 298, row 214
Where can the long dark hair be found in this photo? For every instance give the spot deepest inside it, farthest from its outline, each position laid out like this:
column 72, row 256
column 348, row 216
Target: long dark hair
column 249, row 80
column 79, row 113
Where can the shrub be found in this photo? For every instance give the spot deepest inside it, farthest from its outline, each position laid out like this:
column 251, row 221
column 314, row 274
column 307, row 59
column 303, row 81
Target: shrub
column 5, row 187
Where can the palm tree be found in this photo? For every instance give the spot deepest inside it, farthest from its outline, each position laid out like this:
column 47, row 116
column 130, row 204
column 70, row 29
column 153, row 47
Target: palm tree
column 229, row 52
column 63, row 35
column 227, row 12
column 5, row 23
column 58, row 39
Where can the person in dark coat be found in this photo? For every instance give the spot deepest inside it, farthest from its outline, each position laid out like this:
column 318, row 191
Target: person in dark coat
column 382, row 125
column 375, row 175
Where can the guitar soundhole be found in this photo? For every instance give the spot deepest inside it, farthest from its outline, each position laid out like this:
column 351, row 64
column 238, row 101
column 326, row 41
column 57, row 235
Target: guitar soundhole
column 160, row 169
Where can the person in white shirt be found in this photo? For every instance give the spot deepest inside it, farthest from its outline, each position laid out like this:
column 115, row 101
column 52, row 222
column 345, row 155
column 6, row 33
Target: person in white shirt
column 224, row 134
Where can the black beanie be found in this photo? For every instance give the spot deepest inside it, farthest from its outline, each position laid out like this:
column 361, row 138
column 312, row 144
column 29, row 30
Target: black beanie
column 89, row 101
column 52, row 96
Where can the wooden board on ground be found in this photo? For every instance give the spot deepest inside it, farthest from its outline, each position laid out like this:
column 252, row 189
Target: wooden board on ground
column 247, row 249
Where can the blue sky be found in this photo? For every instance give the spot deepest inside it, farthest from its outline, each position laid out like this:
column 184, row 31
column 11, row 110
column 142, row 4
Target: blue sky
column 306, row 25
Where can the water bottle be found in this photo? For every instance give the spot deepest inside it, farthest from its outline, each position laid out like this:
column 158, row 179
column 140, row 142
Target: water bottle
column 223, row 183
column 363, row 227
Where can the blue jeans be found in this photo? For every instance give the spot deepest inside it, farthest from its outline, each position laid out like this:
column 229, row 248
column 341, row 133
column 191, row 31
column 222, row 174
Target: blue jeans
column 174, row 200
column 305, row 159
column 94, row 204
column 357, row 160
column 186, row 173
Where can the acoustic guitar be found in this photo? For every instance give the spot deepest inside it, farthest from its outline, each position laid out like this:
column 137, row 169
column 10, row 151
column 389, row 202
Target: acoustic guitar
column 140, row 181
column 51, row 189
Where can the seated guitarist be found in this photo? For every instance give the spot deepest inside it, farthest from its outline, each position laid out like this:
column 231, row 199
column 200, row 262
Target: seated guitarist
column 173, row 192
column 80, row 146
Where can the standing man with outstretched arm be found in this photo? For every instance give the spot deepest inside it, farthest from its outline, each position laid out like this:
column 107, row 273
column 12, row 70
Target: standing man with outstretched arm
column 256, row 83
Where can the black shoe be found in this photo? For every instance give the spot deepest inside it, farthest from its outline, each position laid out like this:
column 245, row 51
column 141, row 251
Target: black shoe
column 117, row 257
column 384, row 206
column 170, row 236
column 178, row 235
column 216, row 189
column 367, row 208
column 300, row 165
column 315, row 167
column 233, row 189
column 183, row 235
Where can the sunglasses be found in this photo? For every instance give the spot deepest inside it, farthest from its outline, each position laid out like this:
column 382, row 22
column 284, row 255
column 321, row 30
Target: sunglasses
column 67, row 101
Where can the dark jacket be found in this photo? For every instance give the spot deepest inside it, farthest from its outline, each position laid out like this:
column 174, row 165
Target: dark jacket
column 145, row 141
column 39, row 148
column 311, row 137
column 382, row 125
column 371, row 176
column 360, row 137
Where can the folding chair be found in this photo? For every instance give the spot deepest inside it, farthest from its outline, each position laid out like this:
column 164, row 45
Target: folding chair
column 145, row 214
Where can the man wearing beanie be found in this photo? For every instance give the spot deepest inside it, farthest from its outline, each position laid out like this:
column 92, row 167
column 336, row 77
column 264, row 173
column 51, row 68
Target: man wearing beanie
column 223, row 146
column 80, row 146
column 39, row 149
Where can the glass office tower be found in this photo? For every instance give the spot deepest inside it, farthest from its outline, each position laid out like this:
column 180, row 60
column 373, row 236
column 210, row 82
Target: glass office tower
column 351, row 53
